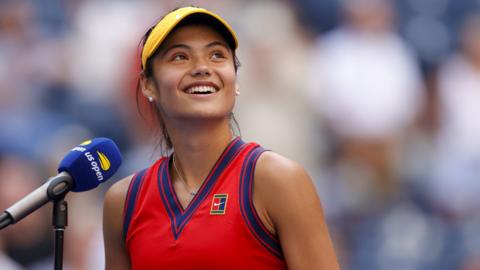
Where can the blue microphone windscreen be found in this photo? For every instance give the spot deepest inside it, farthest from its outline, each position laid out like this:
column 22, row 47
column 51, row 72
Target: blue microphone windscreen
column 91, row 163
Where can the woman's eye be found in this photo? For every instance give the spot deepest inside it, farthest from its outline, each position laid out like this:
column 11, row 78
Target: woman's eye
column 179, row 57
column 217, row 55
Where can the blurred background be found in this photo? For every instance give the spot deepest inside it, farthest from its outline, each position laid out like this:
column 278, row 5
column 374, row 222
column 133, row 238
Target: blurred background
column 378, row 99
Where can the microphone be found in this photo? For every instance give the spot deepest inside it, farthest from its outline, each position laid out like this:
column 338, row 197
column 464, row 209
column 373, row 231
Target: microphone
column 85, row 167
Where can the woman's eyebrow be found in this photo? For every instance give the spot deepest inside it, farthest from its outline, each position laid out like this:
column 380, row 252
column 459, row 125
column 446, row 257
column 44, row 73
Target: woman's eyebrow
column 217, row 43
column 174, row 46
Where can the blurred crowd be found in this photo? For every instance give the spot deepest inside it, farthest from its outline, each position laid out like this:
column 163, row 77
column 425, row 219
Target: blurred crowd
column 376, row 98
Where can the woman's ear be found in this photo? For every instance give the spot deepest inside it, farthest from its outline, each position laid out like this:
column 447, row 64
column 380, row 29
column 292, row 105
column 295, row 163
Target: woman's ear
column 148, row 88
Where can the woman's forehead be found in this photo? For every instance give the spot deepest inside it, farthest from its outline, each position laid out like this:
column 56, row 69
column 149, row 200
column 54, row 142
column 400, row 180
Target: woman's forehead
column 194, row 33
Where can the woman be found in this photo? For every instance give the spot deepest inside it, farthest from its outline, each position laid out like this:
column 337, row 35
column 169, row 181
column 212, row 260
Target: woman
column 196, row 208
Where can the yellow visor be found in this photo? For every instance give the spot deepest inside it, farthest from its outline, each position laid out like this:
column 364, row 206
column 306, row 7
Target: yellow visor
column 172, row 19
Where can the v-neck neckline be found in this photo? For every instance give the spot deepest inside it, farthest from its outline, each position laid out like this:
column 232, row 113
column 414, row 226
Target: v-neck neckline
column 180, row 216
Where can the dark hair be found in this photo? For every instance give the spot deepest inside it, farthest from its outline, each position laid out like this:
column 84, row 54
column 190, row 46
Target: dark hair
column 164, row 142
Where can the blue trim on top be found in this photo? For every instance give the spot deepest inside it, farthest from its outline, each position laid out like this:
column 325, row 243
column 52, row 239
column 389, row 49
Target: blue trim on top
column 269, row 241
column 166, row 195
column 179, row 217
column 133, row 188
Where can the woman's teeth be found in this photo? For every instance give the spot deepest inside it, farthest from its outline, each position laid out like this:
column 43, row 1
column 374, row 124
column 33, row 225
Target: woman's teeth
column 201, row 90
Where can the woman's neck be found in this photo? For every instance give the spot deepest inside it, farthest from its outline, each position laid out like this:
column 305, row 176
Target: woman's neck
column 196, row 149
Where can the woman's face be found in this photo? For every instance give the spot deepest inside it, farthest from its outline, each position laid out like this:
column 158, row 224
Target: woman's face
column 193, row 75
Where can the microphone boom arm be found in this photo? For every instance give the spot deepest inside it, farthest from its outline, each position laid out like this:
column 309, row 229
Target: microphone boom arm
column 54, row 188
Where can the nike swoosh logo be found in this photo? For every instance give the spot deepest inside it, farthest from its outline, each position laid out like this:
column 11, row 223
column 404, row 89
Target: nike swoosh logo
column 217, row 204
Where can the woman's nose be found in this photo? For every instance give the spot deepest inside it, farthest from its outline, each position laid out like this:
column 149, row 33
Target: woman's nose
column 201, row 68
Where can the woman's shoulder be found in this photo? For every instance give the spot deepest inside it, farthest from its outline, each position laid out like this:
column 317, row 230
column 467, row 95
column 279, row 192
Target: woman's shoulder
column 288, row 205
column 283, row 190
column 274, row 167
column 278, row 178
column 118, row 190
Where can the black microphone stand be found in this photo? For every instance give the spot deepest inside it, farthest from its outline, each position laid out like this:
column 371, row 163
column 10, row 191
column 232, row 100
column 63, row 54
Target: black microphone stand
column 59, row 222
column 57, row 191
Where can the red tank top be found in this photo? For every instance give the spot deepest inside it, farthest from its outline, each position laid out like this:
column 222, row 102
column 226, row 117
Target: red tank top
column 219, row 229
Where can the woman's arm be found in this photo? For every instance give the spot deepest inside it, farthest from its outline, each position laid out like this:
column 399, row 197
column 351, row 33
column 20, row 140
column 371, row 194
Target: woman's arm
column 287, row 203
column 116, row 256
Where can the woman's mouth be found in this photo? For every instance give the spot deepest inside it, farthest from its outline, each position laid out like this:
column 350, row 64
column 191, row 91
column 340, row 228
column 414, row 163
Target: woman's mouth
column 201, row 90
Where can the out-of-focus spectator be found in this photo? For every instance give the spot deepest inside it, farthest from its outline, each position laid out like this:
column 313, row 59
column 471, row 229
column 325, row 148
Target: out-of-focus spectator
column 367, row 90
column 271, row 107
column 319, row 16
column 455, row 183
column 102, row 44
column 28, row 241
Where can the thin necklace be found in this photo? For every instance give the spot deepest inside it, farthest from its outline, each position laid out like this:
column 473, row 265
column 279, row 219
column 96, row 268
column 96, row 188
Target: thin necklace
column 187, row 187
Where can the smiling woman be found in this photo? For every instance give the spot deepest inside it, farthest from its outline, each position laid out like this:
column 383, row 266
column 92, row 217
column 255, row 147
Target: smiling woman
column 192, row 80
column 152, row 48
column 215, row 202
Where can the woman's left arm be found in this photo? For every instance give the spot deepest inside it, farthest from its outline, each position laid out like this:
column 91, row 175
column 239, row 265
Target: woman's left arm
column 286, row 199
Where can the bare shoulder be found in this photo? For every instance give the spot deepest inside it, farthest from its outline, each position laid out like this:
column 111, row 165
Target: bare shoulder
column 275, row 170
column 114, row 202
column 118, row 190
column 283, row 190
column 289, row 206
